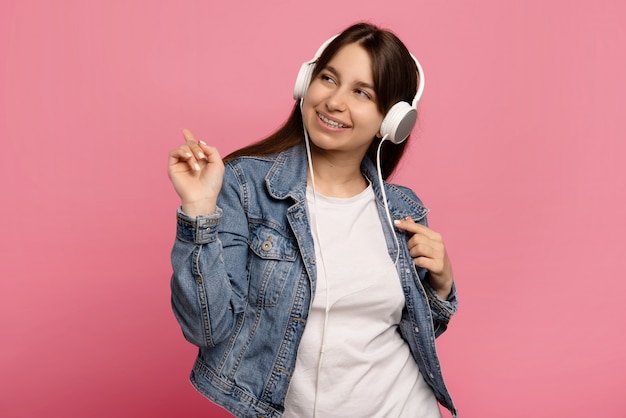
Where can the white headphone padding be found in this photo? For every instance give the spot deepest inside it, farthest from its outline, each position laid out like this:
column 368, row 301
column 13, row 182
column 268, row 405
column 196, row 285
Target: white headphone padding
column 303, row 80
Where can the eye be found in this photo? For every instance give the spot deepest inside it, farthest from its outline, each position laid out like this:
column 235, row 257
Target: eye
column 363, row 94
column 327, row 78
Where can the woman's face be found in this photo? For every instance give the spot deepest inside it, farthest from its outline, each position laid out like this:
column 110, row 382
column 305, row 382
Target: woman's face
column 340, row 107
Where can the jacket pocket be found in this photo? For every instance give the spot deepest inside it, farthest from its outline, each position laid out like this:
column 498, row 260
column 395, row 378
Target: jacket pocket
column 273, row 252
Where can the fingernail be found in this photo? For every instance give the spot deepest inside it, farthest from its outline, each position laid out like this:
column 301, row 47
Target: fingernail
column 397, row 222
column 200, row 155
column 196, row 166
column 202, row 142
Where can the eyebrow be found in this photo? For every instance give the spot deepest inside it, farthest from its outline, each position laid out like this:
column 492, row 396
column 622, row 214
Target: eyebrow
column 361, row 84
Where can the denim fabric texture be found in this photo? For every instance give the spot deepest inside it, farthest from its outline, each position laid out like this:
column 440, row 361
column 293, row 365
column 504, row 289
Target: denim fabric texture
column 245, row 276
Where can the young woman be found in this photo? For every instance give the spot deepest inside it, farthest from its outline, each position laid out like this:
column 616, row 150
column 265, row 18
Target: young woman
column 304, row 297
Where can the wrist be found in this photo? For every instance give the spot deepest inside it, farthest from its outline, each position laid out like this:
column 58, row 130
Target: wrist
column 443, row 288
column 198, row 208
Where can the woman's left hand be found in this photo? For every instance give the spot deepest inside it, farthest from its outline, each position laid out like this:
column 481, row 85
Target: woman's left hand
column 428, row 251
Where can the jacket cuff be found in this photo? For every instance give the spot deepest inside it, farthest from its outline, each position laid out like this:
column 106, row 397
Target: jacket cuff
column 200, row 230
column 446, row 308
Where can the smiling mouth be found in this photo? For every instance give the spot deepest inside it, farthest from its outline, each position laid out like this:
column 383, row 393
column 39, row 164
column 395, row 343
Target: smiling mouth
column 331, row 123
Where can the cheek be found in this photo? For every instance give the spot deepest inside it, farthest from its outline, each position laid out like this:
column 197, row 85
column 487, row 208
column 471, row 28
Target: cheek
column 310, row 100
column 372, row 120
column 313, row 93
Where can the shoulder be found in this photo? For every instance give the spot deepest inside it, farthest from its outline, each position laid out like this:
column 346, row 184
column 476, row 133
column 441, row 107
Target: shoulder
column 250, row 167
column 402, row 200
column 247, row 162
column 281, row 173
column 284, row 160
column 403, row 192
column 405, row 202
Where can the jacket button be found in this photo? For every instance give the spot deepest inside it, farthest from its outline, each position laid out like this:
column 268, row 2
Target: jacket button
column 267, row 244
column 417, row 329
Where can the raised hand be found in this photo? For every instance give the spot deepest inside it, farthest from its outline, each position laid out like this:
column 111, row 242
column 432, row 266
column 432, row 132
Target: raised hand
column 196, row 170
column 428, row 251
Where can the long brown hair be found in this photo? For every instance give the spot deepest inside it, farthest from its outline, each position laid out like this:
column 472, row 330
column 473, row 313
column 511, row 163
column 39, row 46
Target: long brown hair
column 395, row 79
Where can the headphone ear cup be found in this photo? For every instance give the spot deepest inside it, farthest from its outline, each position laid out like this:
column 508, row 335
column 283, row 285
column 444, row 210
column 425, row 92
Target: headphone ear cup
column 399, row 122
column 303, row 80
column 306, row 72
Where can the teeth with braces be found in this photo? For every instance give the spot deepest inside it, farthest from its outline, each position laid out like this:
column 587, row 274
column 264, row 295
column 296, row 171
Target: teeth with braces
column 331, row 122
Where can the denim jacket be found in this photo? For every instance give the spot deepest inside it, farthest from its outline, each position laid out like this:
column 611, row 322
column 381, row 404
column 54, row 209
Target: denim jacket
column 244, row 279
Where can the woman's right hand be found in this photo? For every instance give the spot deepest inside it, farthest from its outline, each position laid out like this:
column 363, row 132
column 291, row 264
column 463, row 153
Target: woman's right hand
column 196, row 171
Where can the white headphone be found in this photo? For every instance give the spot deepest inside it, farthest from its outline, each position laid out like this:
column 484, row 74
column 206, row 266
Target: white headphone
column 397, row 123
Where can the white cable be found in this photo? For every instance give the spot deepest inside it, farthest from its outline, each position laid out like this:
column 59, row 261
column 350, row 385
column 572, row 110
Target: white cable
column 382, row 190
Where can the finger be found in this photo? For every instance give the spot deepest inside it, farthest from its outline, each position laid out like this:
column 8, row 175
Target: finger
column 180, row 154
column 194, row 145
column 406, row 224
column 183, row 154
column 411, row 226
column 423, row 249
column 433, row 241
column 424, row 230
column 211, row 153
column 432, row 265
column 188, row 135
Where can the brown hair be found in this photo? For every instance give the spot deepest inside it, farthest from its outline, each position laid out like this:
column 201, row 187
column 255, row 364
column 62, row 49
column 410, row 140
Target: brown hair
column 395, row 79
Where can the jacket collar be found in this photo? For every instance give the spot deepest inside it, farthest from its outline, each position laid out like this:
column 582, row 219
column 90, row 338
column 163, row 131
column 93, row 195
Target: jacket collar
column 288, row 178
column 288, row 175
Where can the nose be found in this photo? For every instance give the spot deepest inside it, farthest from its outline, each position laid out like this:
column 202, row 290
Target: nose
column 336, row 101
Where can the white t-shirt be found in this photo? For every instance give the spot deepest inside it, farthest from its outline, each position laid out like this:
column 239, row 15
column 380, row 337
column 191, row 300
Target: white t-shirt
column 367, row 369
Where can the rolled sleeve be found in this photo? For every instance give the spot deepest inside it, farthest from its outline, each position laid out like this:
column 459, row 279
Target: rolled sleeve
column 442, row 310
column 199, row 230
column 445, row 308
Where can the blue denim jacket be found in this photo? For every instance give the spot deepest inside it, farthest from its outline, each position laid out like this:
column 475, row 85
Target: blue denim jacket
column 244, row 279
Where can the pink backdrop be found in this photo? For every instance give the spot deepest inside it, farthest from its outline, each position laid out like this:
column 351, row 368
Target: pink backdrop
column 519, row 154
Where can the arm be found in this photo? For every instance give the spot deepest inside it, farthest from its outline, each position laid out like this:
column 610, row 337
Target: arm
column 201, row 291
column 205, row 300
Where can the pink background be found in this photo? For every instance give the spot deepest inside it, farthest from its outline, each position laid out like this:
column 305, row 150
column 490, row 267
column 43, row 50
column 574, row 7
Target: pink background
column 519, row 154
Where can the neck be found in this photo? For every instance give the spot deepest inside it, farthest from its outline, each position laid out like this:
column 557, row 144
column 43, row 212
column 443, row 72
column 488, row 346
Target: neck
column 337, row 176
